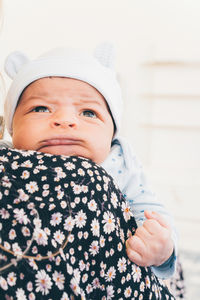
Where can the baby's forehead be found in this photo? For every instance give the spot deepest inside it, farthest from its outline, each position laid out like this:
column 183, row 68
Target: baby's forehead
column 50, row 87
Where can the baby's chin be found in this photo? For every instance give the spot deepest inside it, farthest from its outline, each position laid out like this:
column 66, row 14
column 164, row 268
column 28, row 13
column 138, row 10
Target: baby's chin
column 60, row 150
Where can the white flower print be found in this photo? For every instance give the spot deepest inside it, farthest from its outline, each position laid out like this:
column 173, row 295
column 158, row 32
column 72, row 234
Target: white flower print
column 142, row 286
column 23, row 196
column 69, row 223
column 20, row 216
column 35, row 249
column 48, row 267
column 105, row 187
column 126, row 211
column 122, row 237
column 27, row 164
column 71, row 238
column 63, row 204
column 15, row 165
column 128, row 277
column 89, row 288
column 80, row 219
column 102, row 241
column 84, row 200
column 6, row 245
column 110, row 292
column 53, row 242
column 94, row 248
column 109, row 221
column 65, row 297
column 92, row 205
column 98, row 187
column 59, row 279
column 135, row 293
column 3, row 283
column 31, row 296
column 77, row 189
column 69, row 166
column 60, row 195
column 12, row 234
column 37, row 222
column 29, row 286
column 110, row 274
column 43, row 282
column 25, row 174
column 4, row 213
column 16, row 249
column 81, row 172
column 74, row 286
column 60, row 173
column 59, row 236
column 114, row 199
column 121, row 265
column 127, row 292
column 6, row 182
column 80, row 235
column 95, row 227
column 11, row 279
column 84, row 188
column 58, row 260
column 81, row 265
column 3, row 158
column 45, row 193
column 77, row 275
column 147, row 281
column 51, row 207
column 40, row 237
column 20, row 294
column 32, row 187
column 96, row 283
column 136, row 273
column 85, row 235
column 90, row 172
column 119, row 247
column 86, row 164
column 56, row 218
column 84, row 277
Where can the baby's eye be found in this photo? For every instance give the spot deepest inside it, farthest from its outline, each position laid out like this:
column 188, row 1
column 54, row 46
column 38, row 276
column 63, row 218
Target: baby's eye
column 89, row 114
column 40, row 109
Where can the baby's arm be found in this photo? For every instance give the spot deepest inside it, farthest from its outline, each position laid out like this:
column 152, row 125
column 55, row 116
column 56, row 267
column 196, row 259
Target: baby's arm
column 151, row 245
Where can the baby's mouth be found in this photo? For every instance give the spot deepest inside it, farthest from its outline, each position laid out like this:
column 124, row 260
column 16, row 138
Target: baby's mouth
column 59, row 142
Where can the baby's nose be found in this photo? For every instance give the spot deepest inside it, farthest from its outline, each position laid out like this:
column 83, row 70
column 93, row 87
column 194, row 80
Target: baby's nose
column 65, row 120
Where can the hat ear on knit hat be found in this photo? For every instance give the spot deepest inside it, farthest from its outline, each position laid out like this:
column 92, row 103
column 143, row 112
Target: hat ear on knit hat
column 14, row 62
column 105, row 54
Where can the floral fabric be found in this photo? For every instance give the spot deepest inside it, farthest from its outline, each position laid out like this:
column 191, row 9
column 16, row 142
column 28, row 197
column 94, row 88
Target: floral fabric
column 63, row 226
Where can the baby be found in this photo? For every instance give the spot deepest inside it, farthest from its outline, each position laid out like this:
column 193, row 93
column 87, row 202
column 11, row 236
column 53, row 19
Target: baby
column 67, row 102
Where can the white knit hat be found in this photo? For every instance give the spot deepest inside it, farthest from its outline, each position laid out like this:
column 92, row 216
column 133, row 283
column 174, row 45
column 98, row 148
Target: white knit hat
column 96, row 70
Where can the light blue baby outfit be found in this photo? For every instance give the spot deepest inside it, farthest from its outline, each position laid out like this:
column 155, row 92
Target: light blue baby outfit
column 127, row 172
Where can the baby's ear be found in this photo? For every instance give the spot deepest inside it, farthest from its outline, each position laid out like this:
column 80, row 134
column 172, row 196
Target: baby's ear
column 14, row 62
column 105, row 54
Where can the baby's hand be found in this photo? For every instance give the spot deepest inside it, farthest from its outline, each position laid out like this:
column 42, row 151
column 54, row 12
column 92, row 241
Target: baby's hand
column 151, row 245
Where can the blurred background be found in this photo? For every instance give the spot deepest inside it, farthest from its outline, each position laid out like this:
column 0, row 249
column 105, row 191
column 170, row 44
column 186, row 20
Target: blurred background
column 157, row 46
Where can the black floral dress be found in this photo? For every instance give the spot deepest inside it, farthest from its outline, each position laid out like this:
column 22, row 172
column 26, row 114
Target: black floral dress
column 63, row 226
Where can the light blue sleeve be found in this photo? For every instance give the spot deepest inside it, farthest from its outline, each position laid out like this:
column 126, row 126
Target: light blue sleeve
column 128, row 173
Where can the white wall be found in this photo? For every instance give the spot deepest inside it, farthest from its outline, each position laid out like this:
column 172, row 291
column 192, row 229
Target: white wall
column 158, row 61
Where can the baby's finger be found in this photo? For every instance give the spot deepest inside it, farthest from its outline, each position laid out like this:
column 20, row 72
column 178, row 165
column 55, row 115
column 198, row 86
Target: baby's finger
column 156, row 216
column 135, row 248
column 134, row 257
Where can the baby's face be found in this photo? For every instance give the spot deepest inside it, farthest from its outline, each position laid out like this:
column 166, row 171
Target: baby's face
column 63, row 116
